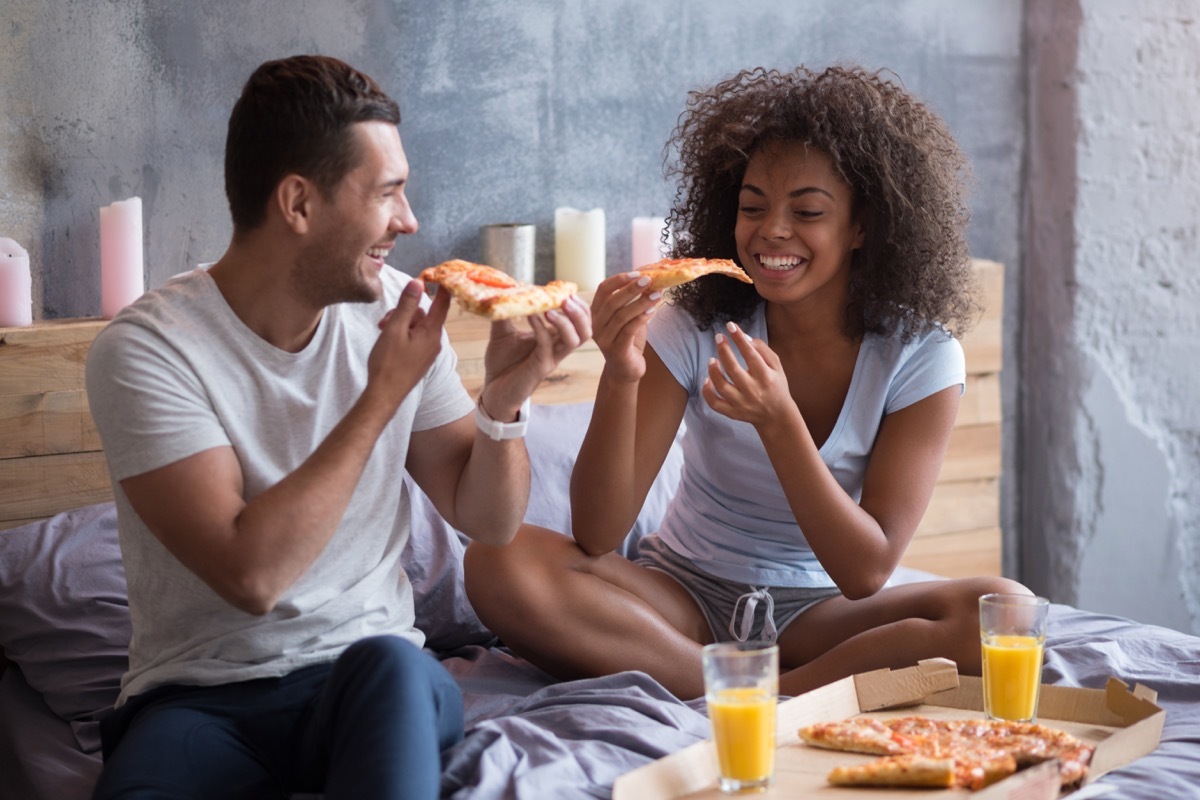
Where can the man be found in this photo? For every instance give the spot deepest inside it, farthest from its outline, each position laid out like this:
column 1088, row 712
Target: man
column 257, row 415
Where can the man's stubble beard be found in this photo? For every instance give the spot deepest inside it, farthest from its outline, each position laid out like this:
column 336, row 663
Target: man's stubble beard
column 325, row 277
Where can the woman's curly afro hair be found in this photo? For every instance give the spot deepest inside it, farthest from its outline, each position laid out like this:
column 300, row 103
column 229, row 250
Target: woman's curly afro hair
column 906, row 172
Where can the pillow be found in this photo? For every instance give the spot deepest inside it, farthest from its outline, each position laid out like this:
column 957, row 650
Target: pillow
column 64, row 619
column 554, row 436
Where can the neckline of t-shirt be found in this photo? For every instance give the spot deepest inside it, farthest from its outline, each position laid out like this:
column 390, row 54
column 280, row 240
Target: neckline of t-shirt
column 260, row 345
column 839, row 425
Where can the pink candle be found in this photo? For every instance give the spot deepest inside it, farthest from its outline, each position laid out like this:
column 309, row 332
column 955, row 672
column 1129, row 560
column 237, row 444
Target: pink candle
column 16, row 286
column 121, row 277
column 647, row 240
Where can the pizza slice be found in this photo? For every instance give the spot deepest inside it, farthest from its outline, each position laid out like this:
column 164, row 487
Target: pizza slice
column 1032, row 743
column 861, row 735
column 491, row 293
column 910, row 771
column 966, row 770
column 675, row 271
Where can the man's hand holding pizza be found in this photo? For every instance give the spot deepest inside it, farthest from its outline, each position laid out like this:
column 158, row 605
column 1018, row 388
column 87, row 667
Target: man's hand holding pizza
column 519, row 359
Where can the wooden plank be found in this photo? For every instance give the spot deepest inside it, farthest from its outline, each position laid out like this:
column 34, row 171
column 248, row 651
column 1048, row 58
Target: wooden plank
column 41, row 486
column 962, row 506
column 46, row 423
column 960, row 554
column 45, row 357
column 980, row 403
column 973, row 452
column 9, row 524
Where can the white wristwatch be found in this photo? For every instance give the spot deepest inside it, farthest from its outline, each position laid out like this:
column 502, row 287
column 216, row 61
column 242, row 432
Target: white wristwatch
column 500, row 431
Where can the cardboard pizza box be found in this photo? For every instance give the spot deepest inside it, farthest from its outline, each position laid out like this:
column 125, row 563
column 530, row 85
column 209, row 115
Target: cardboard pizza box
column 1123, row 725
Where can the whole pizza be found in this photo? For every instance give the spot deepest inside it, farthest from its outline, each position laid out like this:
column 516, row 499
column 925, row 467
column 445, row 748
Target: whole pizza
column 922, row 752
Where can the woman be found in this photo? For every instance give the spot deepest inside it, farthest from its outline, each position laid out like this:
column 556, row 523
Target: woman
column 818, row 404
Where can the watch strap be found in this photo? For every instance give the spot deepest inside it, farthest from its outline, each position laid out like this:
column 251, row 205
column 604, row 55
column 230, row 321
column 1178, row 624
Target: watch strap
column 501, row 431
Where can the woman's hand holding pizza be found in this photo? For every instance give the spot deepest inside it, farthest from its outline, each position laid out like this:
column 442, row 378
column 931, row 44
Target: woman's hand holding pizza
column 755, row 393
column 621, row 311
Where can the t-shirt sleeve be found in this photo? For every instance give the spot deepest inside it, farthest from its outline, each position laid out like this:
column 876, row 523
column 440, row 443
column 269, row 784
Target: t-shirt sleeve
column 150, row 409
column 443, row 396
column 936, row 362
column 674, row 336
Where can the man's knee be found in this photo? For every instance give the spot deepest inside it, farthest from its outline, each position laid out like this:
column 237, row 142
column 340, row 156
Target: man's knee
column 389, row 679
column 390, row 666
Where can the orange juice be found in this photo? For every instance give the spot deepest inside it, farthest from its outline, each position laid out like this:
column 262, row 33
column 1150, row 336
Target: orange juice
column 743, row 723
column 1012, row 676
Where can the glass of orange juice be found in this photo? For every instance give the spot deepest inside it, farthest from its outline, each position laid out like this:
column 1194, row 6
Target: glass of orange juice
column 741, row 687
column 1012, row 629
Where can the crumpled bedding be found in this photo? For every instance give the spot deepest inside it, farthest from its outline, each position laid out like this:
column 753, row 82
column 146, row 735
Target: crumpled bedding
column 563, row 739
column 530, row 737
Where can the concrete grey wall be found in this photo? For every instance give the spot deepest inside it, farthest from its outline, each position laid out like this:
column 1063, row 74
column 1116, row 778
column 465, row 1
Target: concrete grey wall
column 511, row 108
column 1111, row 458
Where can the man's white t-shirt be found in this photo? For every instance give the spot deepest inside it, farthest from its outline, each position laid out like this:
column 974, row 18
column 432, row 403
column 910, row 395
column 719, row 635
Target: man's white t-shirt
column 176, row 373
column 730, row 516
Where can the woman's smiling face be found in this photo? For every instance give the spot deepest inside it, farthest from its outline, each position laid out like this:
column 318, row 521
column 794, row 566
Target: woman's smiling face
column 795, row 228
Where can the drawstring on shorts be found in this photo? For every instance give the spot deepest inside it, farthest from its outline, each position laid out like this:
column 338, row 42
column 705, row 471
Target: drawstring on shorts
column 742, row 632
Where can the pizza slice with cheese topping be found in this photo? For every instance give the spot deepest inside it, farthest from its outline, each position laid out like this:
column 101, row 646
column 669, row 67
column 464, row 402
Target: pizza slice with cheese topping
column 494, row 294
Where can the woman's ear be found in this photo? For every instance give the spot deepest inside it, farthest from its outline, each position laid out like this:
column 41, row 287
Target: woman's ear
column 293, row 199
column 860, row 230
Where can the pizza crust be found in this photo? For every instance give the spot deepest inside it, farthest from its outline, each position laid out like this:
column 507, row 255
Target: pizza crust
column 908, row 771
column 488, row 292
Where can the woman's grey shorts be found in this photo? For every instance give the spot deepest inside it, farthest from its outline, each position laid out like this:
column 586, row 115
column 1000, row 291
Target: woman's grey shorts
column 729, row 607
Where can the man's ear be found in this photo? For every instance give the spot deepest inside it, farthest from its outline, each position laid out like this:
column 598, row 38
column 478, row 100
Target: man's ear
column 293, row 199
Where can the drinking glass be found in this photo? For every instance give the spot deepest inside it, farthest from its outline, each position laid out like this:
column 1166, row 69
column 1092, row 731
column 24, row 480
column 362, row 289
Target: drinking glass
column 741, row 687
column 1012, row 630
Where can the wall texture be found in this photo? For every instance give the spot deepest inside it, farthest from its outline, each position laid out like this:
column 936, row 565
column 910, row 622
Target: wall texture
column 511, row 108
column 1111, row 351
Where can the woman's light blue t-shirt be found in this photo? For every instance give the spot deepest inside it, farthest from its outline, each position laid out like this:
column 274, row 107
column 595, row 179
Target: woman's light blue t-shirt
column 730, row 515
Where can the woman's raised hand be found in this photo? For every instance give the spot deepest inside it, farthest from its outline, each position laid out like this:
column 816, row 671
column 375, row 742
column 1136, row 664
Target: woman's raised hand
column 755, row 393
column 621, row 310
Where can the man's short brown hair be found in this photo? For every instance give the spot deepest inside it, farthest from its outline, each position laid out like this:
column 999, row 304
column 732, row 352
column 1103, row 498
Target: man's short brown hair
column 294, row 117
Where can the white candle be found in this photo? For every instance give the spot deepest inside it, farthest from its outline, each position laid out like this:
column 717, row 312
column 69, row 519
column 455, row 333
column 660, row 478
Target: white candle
column 647, row 240
column 16, row 286
column 579, row 247
column 121, row 276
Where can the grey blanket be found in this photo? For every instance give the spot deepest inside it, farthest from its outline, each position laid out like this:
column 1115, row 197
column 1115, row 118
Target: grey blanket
column 530, row 737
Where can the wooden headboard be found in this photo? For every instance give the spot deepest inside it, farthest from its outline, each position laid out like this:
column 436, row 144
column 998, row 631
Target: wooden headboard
column 50, row 456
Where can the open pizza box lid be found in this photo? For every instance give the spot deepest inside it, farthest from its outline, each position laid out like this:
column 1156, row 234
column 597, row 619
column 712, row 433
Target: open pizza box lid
column 1124, row 725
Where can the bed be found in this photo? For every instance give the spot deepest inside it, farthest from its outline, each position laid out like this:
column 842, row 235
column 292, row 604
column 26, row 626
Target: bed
column 64, row 622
